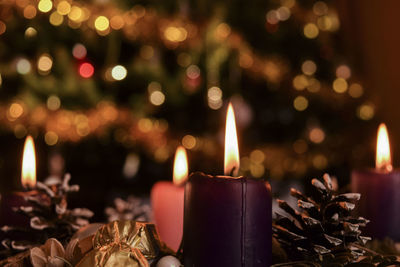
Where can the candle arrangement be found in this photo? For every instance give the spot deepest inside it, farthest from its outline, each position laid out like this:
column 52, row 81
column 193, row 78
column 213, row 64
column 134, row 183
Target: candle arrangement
column 380, row 199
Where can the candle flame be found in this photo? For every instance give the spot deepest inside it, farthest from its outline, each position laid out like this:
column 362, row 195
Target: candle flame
column 28, row 176
column 231, row 162
column 383, row 158
column 180, row 166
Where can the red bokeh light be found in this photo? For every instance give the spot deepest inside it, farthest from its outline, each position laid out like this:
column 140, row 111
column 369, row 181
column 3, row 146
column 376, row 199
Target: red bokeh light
column 86, row 70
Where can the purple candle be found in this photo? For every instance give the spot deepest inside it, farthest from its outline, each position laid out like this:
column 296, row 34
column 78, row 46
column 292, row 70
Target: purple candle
column 379, row 188
column 227, row 219
column 17, row 199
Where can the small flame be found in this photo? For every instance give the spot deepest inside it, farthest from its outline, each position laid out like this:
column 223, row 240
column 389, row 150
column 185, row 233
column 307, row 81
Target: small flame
column 28, row 177
column 180, row 166
column 231, row 166
column 383, row 158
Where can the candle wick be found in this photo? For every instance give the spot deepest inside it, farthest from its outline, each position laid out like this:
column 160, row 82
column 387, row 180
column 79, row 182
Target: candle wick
column 232, row 171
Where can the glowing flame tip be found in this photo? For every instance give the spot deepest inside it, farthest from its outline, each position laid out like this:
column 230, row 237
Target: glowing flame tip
column 180, row 166
column 383, row 157
column 28, row 176
column 231, row 161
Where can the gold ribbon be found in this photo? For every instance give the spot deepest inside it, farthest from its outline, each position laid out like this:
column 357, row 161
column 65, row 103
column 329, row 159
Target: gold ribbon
column 123, row 243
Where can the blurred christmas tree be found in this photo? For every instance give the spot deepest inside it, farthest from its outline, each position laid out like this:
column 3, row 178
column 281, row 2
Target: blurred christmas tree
column 117, row 85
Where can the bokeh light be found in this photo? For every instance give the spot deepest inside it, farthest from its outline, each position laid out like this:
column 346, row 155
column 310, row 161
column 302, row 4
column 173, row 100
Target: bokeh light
column 309, row 67
column 15, row 111
column 316, row 135
column 30, row 11
column 79, row 51
column 189, row 141
column 157, row 98
column 75, row 14
column 23, row 66
column 53, row 102
column 117, row 22
column 300, row 103
column 51, row 138
column 193, row 72
column 343, row 71
column 86, row 70
column 56, row 19
column 300, row 82
column 101, row 23
column 340, row 85
column 45, row 5
column 311, row 31
column 63, row 8
column 44, row 63
column 30, row 32
column 356, row 90
column 119, row 72
column 366, row 111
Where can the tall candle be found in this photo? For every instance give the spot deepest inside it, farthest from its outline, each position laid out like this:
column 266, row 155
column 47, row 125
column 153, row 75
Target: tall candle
column 379, row 188
column 227, row 219
column 16, row 199
column 167, row 202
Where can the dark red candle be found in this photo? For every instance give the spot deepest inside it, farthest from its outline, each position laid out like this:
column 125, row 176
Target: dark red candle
column 17, row 199
column 379, row 189
column 227, row 222
column 227, row 219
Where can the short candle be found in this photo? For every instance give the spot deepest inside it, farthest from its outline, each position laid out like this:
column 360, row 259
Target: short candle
column 228, row 219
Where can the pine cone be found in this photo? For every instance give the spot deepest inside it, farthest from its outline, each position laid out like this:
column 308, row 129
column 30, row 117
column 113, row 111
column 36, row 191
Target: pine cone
column 49, row 217
column 325, row 231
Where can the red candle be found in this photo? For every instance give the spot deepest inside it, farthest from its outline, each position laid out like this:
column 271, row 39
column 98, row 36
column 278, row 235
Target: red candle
column 17, row 199
column 379, row 188
column 228, row 219
column 167, row 201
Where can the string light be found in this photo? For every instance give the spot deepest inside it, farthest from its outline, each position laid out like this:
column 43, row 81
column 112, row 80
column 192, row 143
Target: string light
column 300, row 103
column 79, row 51
column 340, row 85
column 53, row 102
column 44, row 64
column 63, row 8
column 51, row 138
column 75, row 14
column 157, row 98
column 311, row 31
column 23, row 66
column 356, row 90
column 309, row 67
column 189, row 141
column 30, row 32
column 86, row 70
column 366, row 112
column 101, row 23
column 56, row 19
column 119, row 72
column 45, row 5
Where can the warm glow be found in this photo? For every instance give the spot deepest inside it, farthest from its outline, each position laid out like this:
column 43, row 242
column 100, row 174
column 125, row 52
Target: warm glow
column 28, row 177
column 383, row 158
column 180, row 166
column 231, row 166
